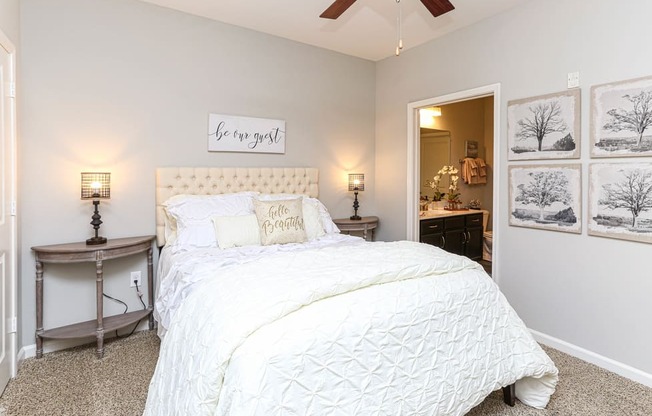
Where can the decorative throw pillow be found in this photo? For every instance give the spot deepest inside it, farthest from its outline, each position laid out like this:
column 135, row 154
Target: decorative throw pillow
column 312, row 217
column 280, row 222
column 236, row 231
column 325, row 225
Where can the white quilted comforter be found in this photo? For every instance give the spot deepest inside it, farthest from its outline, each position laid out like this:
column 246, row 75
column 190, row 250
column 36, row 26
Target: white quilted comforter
column 396, row 328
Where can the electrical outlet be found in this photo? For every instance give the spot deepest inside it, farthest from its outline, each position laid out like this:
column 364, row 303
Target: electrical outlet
column 135, row 276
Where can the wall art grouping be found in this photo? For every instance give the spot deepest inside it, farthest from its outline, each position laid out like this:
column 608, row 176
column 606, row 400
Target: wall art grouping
column 544, row 127
column 549, row 196
column 546, row 196
column 620, row 201
column 621, row 118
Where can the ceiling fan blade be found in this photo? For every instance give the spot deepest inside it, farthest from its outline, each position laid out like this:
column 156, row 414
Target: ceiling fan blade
column 336, row 9
column 438, row 7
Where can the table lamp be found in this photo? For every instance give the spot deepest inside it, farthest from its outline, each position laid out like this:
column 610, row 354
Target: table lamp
column 356, row 184
column 96, row 186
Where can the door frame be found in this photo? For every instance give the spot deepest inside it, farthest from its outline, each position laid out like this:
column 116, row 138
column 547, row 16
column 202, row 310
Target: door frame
column 12, row 323
column 414, row 161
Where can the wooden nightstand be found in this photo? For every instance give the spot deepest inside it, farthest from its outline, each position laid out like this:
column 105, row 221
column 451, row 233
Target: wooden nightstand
column 346, row 225
column 78, row 253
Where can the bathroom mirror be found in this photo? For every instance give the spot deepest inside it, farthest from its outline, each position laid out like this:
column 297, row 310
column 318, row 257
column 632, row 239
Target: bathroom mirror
column 435, row 153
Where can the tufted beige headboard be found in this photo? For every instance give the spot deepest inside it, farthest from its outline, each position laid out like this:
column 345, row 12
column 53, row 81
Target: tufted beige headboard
column 213, row 181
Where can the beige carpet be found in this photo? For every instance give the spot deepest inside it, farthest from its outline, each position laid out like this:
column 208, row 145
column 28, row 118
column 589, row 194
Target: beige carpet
column 74, row 382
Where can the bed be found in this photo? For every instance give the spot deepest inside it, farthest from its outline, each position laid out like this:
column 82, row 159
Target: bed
column 332, row 325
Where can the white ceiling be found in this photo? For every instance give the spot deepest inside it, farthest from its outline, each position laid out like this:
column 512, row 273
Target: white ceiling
column 368, row 29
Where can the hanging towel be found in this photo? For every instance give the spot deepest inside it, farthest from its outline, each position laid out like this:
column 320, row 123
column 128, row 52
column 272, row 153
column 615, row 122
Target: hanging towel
column 482, row 167
column 474, row 171
column 469, row 170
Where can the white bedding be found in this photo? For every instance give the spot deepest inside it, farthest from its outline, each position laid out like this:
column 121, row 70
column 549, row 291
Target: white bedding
column 353, row 328
column 178, row 268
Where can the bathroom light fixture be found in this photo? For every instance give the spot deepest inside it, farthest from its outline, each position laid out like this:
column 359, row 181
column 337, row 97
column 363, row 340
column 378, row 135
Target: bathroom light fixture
column 96, row 186
column 426, row 116
column 356, row 184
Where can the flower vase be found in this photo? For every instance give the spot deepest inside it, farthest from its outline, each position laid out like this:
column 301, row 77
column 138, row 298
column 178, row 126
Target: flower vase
column 437, row 205
column 453, row 205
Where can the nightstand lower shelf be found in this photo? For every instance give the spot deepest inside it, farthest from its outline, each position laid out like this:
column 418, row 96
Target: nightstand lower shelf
column 89, row 328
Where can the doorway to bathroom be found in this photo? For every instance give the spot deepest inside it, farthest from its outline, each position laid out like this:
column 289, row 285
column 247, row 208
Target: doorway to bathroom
column 471, row 120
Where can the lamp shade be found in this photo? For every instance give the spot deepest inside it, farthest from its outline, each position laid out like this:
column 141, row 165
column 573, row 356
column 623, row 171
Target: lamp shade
column 356, row 181
column 95, row 185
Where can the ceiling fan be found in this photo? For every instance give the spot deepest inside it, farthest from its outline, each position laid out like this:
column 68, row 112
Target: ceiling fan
column 435, row 7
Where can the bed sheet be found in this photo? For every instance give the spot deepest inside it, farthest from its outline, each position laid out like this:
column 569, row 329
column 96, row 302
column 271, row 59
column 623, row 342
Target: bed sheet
column 364, row 328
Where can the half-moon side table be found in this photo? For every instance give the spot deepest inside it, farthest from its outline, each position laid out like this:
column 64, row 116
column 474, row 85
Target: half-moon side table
column 365, row 224
column 78, row 253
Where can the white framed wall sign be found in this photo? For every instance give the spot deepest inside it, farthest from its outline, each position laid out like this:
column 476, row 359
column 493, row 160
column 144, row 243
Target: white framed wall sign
column 245, row 134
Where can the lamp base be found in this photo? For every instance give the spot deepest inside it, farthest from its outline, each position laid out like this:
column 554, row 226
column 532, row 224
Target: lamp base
column 355, row 217
column 95, row 241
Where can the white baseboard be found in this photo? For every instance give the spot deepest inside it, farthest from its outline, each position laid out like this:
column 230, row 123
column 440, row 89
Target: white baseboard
column 593, row 358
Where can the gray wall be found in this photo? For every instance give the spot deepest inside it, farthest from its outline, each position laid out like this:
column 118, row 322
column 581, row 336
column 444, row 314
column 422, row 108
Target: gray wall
column 126, row 86
column 10, row 20
column 589, row 291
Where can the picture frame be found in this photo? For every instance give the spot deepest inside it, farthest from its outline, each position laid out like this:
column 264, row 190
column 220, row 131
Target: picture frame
column 544, row 127
column 621, row 119
column 547, row 197
column 620, row 201
column 471, row 148
column 227, row 133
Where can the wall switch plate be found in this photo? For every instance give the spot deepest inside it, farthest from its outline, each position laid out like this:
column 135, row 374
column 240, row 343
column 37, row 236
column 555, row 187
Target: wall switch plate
column 135, row 276
column 573, row 79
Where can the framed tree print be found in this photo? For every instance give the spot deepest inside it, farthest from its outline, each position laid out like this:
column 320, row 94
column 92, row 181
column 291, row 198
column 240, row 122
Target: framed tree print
column 546, row 197
column 620, row 201
column 544, row 127
column 621, row 118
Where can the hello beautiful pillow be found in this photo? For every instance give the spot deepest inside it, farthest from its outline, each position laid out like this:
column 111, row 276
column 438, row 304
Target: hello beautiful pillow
column 280, row 222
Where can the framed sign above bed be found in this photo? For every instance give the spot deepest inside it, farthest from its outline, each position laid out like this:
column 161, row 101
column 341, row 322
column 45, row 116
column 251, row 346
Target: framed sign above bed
column 245, row 134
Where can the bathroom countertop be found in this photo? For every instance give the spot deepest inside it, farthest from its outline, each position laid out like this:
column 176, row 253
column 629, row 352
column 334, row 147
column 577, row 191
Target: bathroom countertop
column 441, row 213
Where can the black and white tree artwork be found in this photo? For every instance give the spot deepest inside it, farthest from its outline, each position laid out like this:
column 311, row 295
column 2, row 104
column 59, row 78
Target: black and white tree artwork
column 546, row 197
column 621, row 119
column 544, row 127
column 543, row 120
column 621, row 201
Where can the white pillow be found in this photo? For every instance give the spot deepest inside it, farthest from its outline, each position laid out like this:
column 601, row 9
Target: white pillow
column 169, row 227
column 325, row 217
column 280, row 221
column 193, row 213
column 237, row 231
column 312, row 220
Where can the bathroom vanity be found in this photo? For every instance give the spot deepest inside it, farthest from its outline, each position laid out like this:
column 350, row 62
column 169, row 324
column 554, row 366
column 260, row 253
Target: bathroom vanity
column 458, row 232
